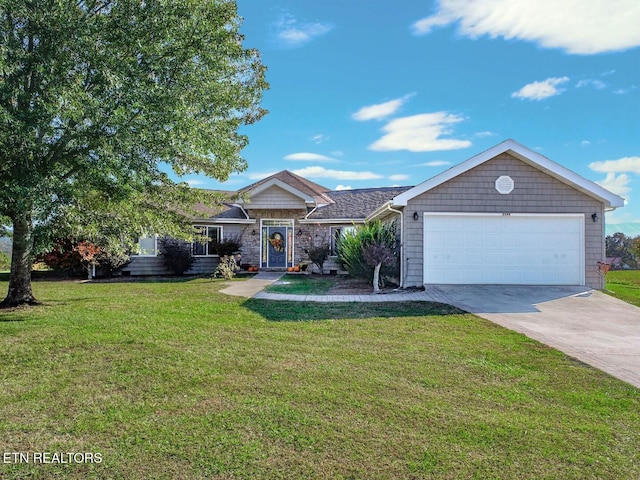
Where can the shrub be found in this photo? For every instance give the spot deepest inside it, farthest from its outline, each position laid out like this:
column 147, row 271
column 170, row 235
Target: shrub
column 113, row 259
column 376, row 255
column 351, row 247
column 318, row 255
column 227, row 247
column 176, row 255
column 227, row 267
column 71, row 258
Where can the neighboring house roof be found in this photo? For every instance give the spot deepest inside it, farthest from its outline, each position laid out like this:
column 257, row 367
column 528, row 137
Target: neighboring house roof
column 610, row 200
column 355, row 204
column 309, row 191
column 614, row 261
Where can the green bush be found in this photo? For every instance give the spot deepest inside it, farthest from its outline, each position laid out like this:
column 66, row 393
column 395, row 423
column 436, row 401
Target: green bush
column 351, row 248
column 113, row 259
column 227, row 247
column 176, row 255
column 5, row 261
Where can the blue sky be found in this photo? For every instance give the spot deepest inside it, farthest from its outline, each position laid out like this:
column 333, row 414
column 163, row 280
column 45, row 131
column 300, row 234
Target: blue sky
column 376, row 93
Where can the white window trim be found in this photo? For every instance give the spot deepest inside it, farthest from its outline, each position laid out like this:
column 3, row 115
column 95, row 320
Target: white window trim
column 155, row 247
column 277, row 222
column 220, row 237
column 344, row 230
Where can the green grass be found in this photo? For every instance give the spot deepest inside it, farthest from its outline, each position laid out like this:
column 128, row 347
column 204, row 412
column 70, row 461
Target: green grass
column 301, row 285
column 173, row 380
column 625, row 285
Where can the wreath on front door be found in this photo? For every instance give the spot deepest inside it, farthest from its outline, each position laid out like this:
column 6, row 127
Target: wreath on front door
column 277, row 242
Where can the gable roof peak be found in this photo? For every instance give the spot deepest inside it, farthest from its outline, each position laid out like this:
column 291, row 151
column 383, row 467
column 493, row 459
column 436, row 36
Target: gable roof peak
column 310, row 191
column 523, row 154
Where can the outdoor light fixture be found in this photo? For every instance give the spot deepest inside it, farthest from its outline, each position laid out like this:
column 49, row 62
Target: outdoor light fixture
column 300, row 232
column 594, row 217
column 253, row 232
column 415, row 216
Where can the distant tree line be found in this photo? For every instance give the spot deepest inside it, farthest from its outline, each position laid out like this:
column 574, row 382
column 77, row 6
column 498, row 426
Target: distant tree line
column 627, row 249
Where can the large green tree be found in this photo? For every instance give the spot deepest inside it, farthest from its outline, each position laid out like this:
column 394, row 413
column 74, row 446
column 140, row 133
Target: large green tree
column 97, row 96
column 619, row 245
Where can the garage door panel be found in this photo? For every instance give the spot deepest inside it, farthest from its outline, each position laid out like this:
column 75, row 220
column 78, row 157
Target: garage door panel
column 515, row 249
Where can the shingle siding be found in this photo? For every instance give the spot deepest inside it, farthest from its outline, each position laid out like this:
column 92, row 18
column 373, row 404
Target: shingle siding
column 156, row 266
column 275, row 197
column 534, row 192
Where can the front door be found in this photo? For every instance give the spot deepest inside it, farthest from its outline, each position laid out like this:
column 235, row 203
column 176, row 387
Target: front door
column 277, row 247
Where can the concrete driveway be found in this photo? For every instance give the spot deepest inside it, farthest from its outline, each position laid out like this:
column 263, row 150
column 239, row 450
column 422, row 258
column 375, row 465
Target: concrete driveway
column 586, row 324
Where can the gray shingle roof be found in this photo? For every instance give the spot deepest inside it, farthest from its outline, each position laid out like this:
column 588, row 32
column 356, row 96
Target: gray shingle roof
column 356, row 204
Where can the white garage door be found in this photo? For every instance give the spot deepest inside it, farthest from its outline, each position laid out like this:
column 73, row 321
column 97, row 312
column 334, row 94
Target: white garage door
column 518, row 249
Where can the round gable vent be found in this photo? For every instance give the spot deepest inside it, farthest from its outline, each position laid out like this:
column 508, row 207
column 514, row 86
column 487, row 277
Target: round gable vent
column 504, row 184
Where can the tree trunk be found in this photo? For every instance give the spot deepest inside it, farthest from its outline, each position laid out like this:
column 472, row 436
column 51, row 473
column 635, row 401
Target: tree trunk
column 376, row 278
column 20, row 292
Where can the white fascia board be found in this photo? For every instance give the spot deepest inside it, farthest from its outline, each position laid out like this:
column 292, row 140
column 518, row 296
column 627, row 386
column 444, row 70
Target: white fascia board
column 525, row 154
column 321, row 221
column 284, row 186
column 216, row 221
column 384, row 208
column 244, row 212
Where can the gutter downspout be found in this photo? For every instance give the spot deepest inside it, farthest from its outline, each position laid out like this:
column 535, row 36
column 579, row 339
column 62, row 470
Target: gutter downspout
column 244, row 211
column 311, row 212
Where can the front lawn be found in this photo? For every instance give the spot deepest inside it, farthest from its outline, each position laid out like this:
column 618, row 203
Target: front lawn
column 625, row 285
column 300, row 284
column 173, row 380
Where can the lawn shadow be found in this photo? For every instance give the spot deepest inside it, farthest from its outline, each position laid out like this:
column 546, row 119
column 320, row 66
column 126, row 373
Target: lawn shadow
column 18, row 314
column 291, row 311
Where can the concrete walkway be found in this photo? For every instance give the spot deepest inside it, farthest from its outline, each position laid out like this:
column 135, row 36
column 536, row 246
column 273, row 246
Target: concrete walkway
column 253, row 285
column 588, row 325
column 252, row 288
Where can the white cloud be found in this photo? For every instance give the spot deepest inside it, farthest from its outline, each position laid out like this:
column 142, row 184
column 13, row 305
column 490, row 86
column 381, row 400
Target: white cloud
column 624, row 91
column 484, row 134
column 597, row 84
column 585, row 143
column 321, row 172
column 617, row 180
column 195, row 182
column 380, row 110
column 260, row 175
column 576, row 26
column 399, row 177
column 618, row 184
column 309, row 157
column 343, row 187
column 291, row 33
column 625, row 164
column 420, row 133
column 435, row 163
column 320, row 138
column 541, row 90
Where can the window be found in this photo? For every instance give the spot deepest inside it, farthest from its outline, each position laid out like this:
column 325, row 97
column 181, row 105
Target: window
column 148, row 246
column 336, row 234
column 213, row 234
